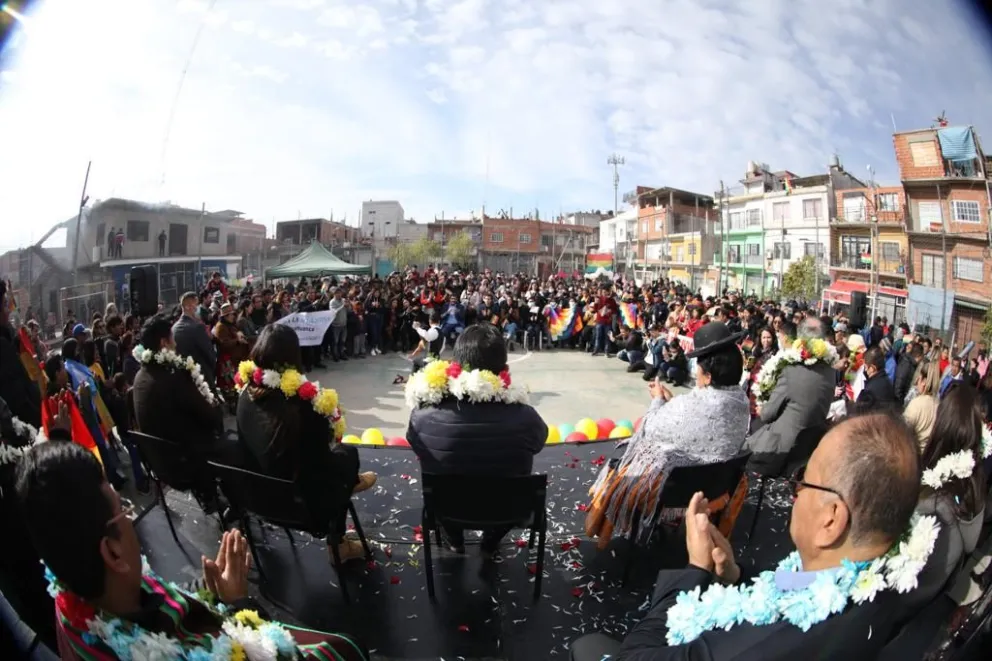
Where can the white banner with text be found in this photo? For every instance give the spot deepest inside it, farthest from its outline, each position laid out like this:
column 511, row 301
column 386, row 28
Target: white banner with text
column 309, row 326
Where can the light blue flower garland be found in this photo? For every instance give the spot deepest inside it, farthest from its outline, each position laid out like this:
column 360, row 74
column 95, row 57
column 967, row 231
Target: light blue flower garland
column 762, row 602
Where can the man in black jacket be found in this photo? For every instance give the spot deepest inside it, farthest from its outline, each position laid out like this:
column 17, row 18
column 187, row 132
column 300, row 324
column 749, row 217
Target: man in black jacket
column 486, row 438
column 878, row 394
column 905, row 370
column 852, row 504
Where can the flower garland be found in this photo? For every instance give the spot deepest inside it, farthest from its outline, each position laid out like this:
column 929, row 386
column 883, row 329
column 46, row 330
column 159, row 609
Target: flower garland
column 441, row 378
column 292, row 383
column 957, row 465
column 245, row 636
column 11, row 454
column 762, row 602
column 169, row 358
column 802, row 352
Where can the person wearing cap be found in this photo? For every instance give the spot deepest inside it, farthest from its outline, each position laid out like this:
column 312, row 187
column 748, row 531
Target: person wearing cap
column 799, row 401
column 232, row 348
column 704, row 426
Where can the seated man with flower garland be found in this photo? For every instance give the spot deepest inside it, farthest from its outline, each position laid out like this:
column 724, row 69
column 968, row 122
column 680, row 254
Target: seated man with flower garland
column 291, row 428
column 173, row 401
column 793, row 393
column 858, row 546
column 109, row 604
column 469, row 418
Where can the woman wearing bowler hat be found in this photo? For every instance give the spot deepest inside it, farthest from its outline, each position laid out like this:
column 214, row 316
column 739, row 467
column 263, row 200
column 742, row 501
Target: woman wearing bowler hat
column 706, row 425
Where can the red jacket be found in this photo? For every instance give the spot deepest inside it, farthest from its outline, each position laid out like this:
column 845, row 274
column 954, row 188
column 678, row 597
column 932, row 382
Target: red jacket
column 606, row 307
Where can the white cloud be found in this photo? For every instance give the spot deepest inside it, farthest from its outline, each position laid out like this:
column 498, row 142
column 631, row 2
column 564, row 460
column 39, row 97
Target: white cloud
column 311, row 105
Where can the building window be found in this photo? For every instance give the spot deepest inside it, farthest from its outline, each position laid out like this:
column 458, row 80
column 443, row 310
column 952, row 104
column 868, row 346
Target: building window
column 968, row 269
column 547, row 240
column 692, row 248
column 232, row 243
column 137, row 230
column 933, row 271
column 211, row 235
column 783, row 251
column 754, row 217
column 924, row 154
column 811, row 249
column 657, row 224
column 853, row 247
column 812, row 209
column 966, row 211
column 890, row 251
column 524, row 238
column 780, row 212
column 734, row 254
column 931, row 216
column 736, row 220
column 101, row 233
column 496, row 237
column 854, row 208
column 888, row 202
column 754, row 249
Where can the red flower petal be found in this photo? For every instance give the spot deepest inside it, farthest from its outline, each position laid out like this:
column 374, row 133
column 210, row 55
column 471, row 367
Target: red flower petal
column 388, row 551
column 463, row 627
column 582, row 507
column 370, row 565
column 521, row 543
column 504, row 376
column 418, row 530
column 577, row 592
column 257, row 376
column 454, row 370
column 418, row 537
column 532, row 569
column 307, row 391
column 394, row 580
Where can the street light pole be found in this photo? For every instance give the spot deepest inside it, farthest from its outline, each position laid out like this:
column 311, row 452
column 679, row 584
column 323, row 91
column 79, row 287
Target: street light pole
column 616, row 161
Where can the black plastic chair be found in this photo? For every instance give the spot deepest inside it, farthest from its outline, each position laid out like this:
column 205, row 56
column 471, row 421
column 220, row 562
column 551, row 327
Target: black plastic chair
column 169, row 464
column 280, row 503
column 470, row 502
column 714, row 480
column 798, row 456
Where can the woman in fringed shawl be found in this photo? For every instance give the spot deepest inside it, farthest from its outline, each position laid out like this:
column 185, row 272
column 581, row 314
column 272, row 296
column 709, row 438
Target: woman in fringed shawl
column 704, row 426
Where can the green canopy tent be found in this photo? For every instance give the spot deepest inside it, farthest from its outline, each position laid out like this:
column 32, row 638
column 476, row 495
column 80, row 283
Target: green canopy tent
column 315, row 261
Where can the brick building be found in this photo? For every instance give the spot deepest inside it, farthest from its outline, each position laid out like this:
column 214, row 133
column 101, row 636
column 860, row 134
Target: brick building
column 945, row 181
column 675, row 234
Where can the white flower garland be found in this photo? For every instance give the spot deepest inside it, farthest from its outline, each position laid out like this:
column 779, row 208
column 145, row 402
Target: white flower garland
column 10, row 454
column 441, row 378
column 762, row 602
column 169, row 358
column 802, row 352
column 955, row 466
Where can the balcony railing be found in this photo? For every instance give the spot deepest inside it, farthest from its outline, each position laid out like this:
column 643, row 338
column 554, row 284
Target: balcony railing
column 850, row 262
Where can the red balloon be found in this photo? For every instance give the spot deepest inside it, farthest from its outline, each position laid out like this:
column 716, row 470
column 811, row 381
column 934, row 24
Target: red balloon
column 398, row 442
column 637, row 425
column 605, row 426
column 576, row 437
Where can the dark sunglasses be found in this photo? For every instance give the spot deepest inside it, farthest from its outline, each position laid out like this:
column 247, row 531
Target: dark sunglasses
column 798, row 484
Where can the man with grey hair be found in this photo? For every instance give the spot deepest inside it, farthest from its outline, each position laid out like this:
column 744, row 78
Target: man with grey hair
column 799, row 403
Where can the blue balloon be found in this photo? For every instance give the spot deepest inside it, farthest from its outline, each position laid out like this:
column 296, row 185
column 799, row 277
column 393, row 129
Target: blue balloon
column 565, row 430
column 625, row 423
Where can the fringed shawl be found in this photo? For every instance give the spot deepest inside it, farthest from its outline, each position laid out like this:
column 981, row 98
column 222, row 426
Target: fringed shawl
column 706, row 425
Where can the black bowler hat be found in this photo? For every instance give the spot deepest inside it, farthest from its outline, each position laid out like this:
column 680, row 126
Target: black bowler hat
column 713, row 337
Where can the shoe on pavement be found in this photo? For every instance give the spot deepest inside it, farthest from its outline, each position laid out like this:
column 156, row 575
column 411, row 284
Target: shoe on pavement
column 365, row 482
column 348, row 549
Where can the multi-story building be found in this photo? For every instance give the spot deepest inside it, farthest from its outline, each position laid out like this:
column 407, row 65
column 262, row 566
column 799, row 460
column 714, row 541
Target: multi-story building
column 303, row 232
column 512, row 245
column 613, row 236
column 564, row 247
column 185, row 245
column 740, row 261
column 381, row 219
column 944, row 174
column 868, row 248
column 685, row 216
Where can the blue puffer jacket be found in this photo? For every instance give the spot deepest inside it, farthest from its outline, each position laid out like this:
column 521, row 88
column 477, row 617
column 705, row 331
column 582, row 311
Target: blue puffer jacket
column 482, row 439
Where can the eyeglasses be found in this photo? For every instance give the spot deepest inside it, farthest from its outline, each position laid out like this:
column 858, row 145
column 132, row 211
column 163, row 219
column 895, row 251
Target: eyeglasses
column 798, row 484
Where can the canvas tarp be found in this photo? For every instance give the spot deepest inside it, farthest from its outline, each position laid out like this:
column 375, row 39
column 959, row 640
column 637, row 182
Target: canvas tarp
column 316, row 261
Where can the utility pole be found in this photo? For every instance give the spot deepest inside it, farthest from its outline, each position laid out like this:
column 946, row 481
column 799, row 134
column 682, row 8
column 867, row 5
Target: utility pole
column 616, row 161
column 83, row 199
column 943, row 259
column 723, row 239
column 873, row 227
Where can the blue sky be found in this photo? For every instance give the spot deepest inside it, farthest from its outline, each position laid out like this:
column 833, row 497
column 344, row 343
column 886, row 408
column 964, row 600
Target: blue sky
column 306, row 106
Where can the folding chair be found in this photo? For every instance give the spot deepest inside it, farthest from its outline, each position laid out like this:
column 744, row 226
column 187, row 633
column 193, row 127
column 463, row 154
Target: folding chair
column 170, row 464
column 280, row 503
column 469, row 502
column 714, row 480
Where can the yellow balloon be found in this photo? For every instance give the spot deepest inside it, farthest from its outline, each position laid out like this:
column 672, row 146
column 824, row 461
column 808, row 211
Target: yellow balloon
column 554, row 436
column 351, row 439
column 588, row 427
column 373, row 437
column 620, row 432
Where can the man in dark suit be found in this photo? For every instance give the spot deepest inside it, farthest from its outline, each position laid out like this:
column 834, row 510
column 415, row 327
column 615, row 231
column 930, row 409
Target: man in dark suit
column 167, row 404
column 486, row 438
column 193, row 339
column 878, row 393
column 853, row 503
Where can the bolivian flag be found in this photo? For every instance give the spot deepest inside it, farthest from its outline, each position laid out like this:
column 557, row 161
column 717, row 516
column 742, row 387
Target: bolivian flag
column 80, row 432
column 31, row 364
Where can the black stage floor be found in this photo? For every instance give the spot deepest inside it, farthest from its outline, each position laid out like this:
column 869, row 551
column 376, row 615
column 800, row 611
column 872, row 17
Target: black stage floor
column 482, row 612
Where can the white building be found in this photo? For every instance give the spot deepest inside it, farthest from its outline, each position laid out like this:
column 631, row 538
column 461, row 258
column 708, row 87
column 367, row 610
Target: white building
column 796, row 225
column 381, row 219
column 613, row 232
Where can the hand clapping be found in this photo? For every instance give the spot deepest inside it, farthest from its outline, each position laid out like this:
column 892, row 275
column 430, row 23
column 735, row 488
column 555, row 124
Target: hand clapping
column 227, row 576
column 708, row 548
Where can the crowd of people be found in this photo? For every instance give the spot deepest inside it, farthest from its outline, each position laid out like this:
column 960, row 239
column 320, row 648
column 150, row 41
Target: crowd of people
column 888, row 428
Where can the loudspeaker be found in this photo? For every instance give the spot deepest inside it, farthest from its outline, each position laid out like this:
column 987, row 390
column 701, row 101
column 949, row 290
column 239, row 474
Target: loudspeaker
column 859, row 310
column 143, row 285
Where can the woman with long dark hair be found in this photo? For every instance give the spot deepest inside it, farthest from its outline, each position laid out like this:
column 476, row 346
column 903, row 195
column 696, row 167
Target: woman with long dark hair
column 954, row 488
column 285, row 437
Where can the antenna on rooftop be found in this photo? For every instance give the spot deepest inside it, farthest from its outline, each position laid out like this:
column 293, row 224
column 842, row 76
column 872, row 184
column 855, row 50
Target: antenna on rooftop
column 941, row 119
